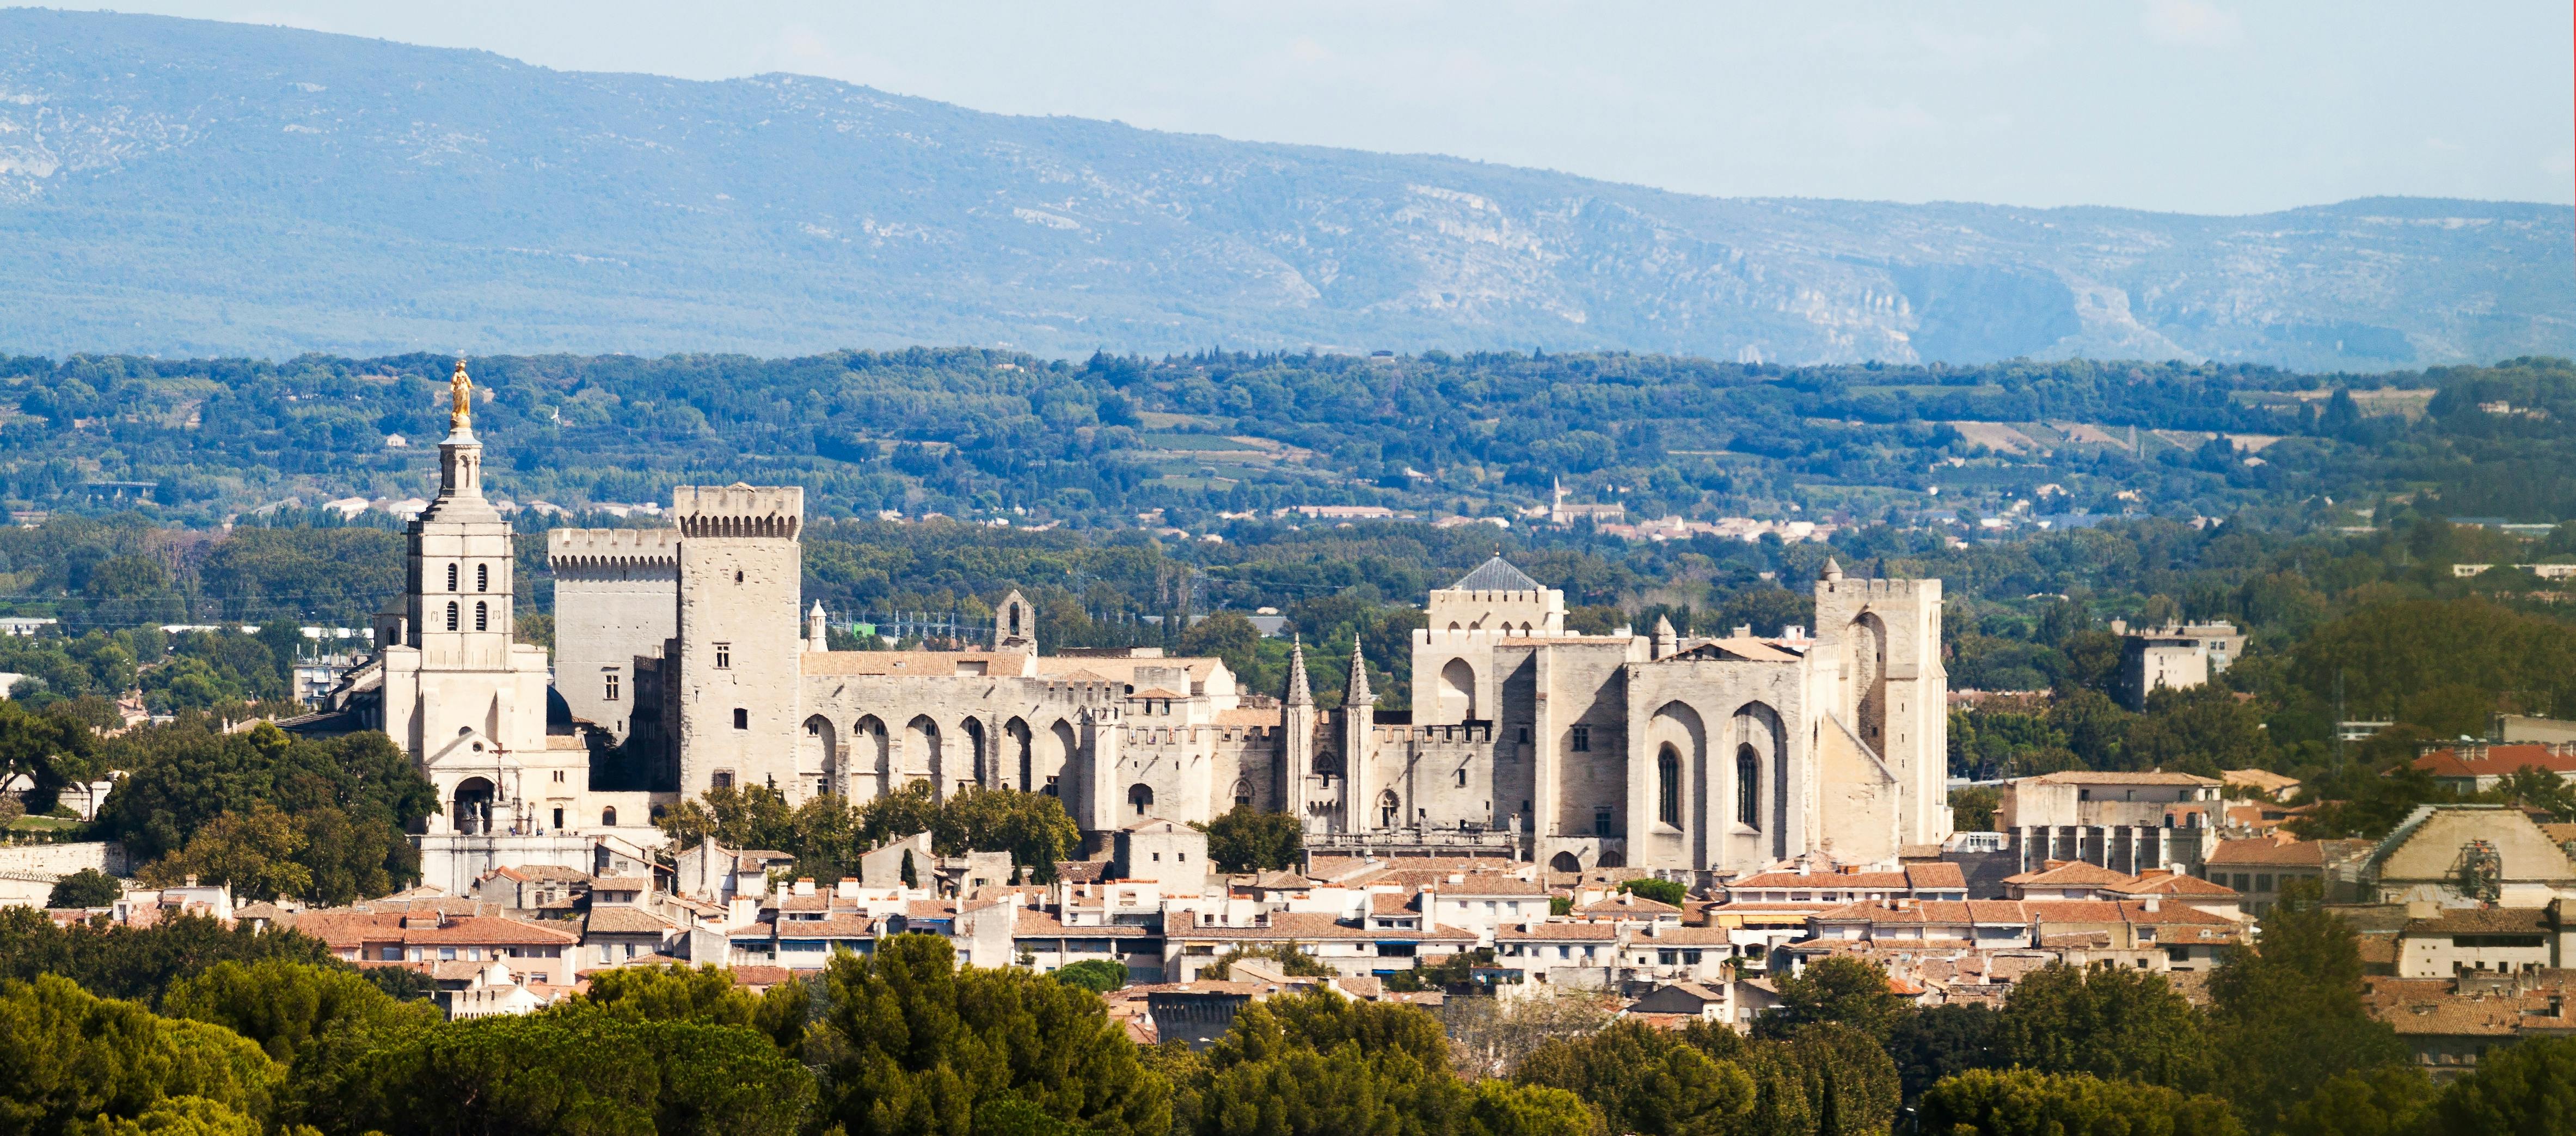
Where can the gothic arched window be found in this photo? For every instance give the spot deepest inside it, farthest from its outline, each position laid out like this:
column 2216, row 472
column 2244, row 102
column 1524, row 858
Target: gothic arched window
column 1668, row 787
column 1748, row 786
column 451, row 615
column 451, row 577
column 482, row 616
column 482, row 577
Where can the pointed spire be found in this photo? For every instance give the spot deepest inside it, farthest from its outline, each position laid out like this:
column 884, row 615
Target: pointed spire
column 1358, row 692
column 1663, row 627
column 1299, row 693
column 1833, row 569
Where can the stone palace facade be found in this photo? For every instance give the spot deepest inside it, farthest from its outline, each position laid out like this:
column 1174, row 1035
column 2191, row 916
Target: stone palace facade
column 686, row 659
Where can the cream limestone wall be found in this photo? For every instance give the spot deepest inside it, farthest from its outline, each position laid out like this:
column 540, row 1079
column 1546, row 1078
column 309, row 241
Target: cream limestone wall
column 736, row 681
column 622, row 588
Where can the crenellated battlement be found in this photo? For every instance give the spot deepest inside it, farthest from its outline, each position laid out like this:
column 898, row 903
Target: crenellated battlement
column 612, row 548
column 739, row 510
column 1893, row 588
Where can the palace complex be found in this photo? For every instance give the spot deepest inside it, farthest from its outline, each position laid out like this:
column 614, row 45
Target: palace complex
column 687, row 659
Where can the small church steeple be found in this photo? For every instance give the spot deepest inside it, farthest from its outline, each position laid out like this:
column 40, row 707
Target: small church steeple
column 1357, row 693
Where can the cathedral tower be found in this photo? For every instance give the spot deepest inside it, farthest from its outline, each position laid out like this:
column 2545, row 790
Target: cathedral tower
column 461, row 694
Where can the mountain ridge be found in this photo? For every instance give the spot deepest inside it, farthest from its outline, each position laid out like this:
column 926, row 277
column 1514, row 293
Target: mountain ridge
column 181, row 187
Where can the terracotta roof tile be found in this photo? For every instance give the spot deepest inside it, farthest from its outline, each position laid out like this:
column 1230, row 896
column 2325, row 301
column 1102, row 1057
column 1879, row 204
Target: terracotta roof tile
column 2263, row 852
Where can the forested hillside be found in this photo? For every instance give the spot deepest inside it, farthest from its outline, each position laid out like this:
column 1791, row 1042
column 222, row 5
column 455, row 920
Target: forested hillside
column 998, row 436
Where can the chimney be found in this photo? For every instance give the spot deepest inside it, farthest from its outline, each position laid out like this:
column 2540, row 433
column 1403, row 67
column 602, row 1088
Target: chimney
column 2151, row 904
column 192, row 880
column 804, row 885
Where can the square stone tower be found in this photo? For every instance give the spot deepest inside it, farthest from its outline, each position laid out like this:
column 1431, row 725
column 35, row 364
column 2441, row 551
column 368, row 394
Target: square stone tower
column 739, row 648
column 1893, row 691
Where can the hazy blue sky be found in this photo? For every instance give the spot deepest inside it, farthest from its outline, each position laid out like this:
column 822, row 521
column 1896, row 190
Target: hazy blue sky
column 2192, row 105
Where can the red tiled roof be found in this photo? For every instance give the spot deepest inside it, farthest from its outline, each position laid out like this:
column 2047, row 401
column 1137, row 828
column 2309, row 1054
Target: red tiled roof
column 2072, row 874
column 2497, row 760
column 1305, row 926
column 2176, row 884
column 2120, row 911
column 832, row 927
column 1553, row 932
column 1831, row 881
column 2264, row 852
column 349, row 929
column 1624, row 906
column 2152, row 777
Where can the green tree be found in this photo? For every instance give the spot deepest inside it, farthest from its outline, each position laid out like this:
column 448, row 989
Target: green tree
column 285, row 1007
column 2527, row 1088
column 2106, row 1022
column 1644, row 1080
column 87, row 887
column 1227, row 635
column 349, row 801
column 914, row 1043
column 2532, row 787
column 1317, row 1063
column 1100, row 976
column 1294, row 961
column 1032, row 827
column 2288, row 1017
column 703, row 994
column 115, row 961
column 183, row 1116
column 2396, row 656
column 1845, row 990
column 1661, row 891
column 1851, row 1085
column 1943, row 1041
column 2026, row 1102
column 1246, row 839
column 576, row 1070
column 50, row 749
column 1973, row 809
column 2386, row 1101
column 256, row 854
column 2203, row 730
column 67, row 1056
column 2094, row 727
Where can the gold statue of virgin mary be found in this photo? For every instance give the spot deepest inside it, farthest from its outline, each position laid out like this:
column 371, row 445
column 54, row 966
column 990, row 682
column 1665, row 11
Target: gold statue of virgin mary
column 460, row 397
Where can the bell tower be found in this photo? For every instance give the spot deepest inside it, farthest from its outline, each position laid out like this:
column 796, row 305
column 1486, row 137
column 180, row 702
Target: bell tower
column 461, row 694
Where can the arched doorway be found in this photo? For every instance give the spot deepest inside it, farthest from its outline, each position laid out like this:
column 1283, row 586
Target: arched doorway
column 1388, row 809
column 470, row 812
